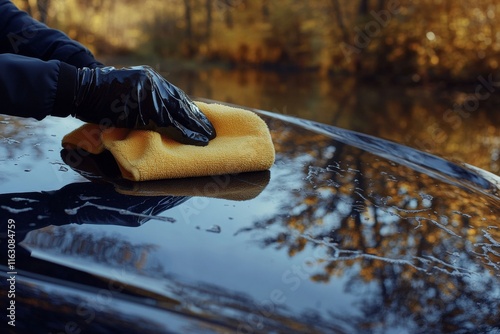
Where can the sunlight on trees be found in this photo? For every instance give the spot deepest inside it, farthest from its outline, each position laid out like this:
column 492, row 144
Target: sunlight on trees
column 421, row 39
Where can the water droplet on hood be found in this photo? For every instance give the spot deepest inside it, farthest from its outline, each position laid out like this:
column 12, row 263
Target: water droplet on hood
column 214, row 229
column 71, row 211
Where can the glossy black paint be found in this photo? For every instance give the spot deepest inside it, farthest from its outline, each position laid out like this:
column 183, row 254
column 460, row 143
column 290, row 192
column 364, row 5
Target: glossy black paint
column 346, row 234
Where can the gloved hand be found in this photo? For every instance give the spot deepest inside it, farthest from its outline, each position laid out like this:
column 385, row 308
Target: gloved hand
column 139, row 98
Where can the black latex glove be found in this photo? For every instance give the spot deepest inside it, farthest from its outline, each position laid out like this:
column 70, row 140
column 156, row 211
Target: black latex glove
column 139, row 98
column 80, row 203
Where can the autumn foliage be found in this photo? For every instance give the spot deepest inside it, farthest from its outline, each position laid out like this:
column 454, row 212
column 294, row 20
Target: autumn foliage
column 416, row 40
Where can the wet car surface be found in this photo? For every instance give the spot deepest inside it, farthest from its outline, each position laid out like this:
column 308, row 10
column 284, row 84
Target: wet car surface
column 346, row 233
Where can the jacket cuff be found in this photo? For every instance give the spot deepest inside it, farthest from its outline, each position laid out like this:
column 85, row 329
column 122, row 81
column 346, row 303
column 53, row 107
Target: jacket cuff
column 66, row 90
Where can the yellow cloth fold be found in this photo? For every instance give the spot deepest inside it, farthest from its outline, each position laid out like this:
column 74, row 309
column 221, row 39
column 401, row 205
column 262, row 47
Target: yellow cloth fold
column 243, row 144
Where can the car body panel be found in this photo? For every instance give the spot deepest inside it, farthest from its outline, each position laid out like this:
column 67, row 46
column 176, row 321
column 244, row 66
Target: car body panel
column 346, row 233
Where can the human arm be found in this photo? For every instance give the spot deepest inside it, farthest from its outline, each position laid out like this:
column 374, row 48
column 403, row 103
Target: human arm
column 43, row 72
column 21, row 34
column 135, row 97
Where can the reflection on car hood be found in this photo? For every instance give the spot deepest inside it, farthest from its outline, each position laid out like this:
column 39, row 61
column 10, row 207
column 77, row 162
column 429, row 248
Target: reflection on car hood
column 347, row 233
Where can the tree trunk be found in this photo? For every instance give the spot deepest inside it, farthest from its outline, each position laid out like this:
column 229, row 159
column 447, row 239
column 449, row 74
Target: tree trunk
column 208, row 22
column 381, row 4
column 265, row 10
column 43, row 9
column 189, row 27
column 340, row 21
column 363, row 8
column 27, row 7
column 228, row 17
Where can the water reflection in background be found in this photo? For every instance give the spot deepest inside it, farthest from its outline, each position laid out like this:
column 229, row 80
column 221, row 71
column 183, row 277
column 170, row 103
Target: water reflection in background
column 448, row 123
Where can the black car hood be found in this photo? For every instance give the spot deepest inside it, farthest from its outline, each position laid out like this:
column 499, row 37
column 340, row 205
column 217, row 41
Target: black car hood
column 347, row 233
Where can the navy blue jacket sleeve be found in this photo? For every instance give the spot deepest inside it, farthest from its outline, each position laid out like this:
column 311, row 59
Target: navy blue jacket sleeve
column 30, row 87
column 21, row 34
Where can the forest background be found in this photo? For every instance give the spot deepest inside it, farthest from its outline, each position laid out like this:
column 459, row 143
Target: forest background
column 410, row 40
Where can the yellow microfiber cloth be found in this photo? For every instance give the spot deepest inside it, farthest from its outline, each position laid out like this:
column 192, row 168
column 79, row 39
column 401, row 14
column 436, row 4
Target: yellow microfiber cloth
column 243, row 144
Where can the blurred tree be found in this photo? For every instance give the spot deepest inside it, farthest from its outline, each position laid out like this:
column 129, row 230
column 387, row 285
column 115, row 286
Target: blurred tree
column 43, row 9
column 208, row 21
column 363, row 7
column 337, row 11
column 382, row 4
column 188, row 8
column 40, row 10
column 25, row 4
